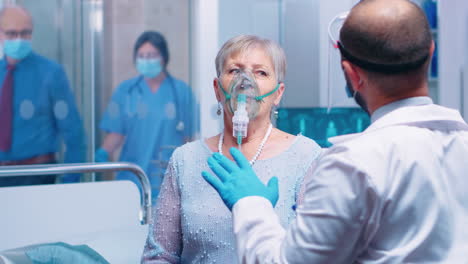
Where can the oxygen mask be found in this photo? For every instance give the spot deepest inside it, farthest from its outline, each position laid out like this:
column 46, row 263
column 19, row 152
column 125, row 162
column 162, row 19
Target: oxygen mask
column 243, row 83
column 243, row 98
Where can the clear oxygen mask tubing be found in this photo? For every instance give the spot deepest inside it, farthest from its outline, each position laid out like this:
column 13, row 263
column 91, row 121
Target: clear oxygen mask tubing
column 334, row 57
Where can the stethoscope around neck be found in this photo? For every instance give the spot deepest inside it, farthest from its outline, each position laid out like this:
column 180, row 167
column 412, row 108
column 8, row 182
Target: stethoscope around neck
column 131, row 105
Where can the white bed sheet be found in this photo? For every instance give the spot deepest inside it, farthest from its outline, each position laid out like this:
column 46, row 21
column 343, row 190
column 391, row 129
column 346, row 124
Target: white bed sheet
column 102, row 215
column 123, row 245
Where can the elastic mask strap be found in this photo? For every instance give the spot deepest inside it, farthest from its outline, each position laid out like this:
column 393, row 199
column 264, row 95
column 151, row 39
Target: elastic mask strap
column 260, row 98
column 226, row 94
column 382, row 68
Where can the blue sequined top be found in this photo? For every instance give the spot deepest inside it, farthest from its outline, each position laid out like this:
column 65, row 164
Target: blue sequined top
column 191, row 224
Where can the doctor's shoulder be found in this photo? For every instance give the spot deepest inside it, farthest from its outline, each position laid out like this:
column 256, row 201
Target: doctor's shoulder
column 371, row 145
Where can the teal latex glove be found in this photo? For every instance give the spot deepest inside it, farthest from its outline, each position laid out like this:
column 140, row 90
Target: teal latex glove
column 63, row 253
column 101, row 155
column 236, row 181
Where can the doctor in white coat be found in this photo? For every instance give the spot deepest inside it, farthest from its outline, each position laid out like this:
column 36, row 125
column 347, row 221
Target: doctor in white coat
column 395, row 193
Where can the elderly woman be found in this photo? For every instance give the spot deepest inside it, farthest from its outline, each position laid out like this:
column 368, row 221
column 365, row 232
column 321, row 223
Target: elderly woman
column 191, row 222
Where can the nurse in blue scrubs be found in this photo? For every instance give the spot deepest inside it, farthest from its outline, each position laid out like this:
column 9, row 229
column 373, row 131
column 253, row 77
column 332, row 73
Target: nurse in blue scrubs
column 150, row 114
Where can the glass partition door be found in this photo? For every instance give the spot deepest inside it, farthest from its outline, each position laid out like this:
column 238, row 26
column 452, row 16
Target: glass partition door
column 94, row 41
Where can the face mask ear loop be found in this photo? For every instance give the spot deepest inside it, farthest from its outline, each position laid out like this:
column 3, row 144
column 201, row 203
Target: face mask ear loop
column 260, row 98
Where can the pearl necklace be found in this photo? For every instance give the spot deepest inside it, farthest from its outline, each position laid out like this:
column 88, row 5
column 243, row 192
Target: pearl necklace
column 260, row 147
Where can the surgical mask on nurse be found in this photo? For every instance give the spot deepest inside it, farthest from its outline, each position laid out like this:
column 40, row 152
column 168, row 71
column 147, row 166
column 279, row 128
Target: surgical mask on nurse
column 150, row 68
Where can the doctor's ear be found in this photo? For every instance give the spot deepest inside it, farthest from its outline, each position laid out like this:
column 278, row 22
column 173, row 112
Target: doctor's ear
column 353, row 73
column 432, row 49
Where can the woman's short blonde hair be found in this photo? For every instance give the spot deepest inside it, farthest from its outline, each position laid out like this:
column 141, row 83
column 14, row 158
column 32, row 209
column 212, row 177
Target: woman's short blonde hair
column 243, row 43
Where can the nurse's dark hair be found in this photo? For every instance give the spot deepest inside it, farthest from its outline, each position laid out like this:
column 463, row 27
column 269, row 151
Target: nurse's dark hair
column 157, row 40
column 389, row 33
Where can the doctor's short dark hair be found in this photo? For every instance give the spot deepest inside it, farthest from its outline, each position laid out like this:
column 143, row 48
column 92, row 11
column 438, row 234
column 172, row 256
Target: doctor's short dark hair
column 399, row 43
column 157, row 40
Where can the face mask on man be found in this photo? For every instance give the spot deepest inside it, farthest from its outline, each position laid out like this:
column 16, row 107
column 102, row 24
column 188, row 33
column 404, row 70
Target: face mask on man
column 357, row 96
column 150, row 68
column 17, row 49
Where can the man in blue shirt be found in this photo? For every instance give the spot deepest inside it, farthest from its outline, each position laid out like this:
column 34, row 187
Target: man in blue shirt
column 37, row 107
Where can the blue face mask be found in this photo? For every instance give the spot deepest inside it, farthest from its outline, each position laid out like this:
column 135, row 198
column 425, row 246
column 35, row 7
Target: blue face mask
column 357, row 97
column 17, row 49
column 349, row 92
column 150, row 68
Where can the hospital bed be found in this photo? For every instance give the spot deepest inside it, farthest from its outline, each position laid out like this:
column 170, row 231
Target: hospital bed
column 109, row 217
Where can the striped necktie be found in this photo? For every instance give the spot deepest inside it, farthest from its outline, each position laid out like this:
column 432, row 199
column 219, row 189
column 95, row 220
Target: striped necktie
column 6, row 110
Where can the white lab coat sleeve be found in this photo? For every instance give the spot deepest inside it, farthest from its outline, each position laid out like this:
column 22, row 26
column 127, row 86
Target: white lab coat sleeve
column 258, row 231
column 331, row 224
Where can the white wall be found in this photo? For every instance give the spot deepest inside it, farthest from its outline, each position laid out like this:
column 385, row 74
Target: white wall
column 453, row 29
column 300, row 40
column 465, row 67
column 258, row 17
column 204, row 40
column 328, row 10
